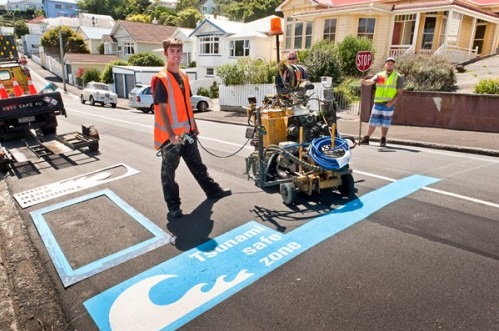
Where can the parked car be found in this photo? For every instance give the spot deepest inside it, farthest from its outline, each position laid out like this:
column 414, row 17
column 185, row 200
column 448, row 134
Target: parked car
column 140, row 97
column 96, row 92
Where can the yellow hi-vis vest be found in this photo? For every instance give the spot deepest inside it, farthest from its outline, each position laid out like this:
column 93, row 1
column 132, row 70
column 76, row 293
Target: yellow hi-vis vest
column 387, row 91
column 179, row 109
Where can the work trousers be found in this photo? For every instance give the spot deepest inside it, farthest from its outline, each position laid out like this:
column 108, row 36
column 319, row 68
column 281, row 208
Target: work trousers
column 171, row 158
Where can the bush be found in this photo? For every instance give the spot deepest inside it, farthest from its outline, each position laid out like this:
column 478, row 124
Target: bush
column 426, row 73
column 107, row 74
column 347, row 53
column 91, row 74
column 144, row 59
column 348, row 92
column 248, row 71
column 203, row 91
column 214, row 90
column 487, row 86
column 322, row 60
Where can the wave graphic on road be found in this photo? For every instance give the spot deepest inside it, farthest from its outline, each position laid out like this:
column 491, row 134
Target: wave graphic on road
column 134, row 309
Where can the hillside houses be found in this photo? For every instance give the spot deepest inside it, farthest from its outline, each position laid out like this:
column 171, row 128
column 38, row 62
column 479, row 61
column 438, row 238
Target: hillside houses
column 458, row 29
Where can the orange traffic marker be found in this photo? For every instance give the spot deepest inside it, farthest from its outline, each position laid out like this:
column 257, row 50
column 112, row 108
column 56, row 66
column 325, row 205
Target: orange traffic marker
column 18, row 91
column 31, row 86
column 3, row 92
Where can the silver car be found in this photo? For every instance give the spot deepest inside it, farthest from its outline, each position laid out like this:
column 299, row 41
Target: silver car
column 95, row 92
column 140, row 97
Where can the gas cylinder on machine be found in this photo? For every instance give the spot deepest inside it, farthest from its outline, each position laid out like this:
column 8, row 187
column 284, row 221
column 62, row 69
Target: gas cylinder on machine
column 275, row 122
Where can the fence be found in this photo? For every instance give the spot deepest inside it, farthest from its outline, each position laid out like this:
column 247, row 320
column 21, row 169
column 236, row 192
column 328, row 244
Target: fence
column 235, row 97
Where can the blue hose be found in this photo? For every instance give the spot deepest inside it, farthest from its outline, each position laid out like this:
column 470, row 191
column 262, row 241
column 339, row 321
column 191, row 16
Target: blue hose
column 340, row 154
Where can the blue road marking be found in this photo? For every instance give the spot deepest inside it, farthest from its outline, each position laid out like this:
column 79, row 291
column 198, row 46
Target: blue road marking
column 71, row 276
column 176, row 291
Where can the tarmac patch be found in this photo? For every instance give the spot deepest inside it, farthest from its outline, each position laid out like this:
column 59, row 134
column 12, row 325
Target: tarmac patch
column 83, row 248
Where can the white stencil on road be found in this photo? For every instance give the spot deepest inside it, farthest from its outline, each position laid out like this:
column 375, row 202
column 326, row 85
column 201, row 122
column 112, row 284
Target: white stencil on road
column 47, row 192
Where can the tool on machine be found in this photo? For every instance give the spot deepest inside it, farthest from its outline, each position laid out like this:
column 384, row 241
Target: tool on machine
column 297, row 148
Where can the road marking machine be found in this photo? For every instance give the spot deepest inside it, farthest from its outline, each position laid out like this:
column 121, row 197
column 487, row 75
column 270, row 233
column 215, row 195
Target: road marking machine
column 295, row 147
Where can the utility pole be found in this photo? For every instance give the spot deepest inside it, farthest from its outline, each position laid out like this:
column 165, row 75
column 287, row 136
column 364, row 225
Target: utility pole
column 61, row 50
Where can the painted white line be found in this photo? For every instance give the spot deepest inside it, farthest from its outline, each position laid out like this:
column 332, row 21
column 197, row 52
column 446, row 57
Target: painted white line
column 491, row 204
column 450, row 194
column 113, row 119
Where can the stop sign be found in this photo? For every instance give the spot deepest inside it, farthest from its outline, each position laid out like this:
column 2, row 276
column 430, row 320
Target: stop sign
column 363, row 60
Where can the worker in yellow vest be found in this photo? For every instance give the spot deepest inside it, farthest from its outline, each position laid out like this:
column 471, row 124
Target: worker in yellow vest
column 389, row 88
column 175, row 130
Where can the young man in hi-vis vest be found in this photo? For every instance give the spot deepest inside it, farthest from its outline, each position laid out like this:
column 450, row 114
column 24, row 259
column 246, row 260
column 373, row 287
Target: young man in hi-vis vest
column 389, row 88
column 175, row 130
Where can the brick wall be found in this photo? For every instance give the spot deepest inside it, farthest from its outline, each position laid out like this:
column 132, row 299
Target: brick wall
column 470, row 112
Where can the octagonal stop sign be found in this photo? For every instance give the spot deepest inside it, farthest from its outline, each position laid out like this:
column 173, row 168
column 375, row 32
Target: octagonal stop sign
column 363, row 60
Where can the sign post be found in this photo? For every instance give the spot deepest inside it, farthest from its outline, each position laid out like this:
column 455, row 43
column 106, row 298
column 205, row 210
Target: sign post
column 363, row 61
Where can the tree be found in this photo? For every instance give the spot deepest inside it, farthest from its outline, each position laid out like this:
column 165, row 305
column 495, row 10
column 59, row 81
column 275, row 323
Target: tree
column 188, row 18
column 118, row 9
column 246, row 11
column 20, row 28
column 143, row 59
column 138, row 18
column 71, row 42
column 185, row 4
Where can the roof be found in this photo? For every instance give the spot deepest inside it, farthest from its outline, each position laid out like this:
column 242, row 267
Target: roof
column 222, row 27
column 94, row 33
column 442, row 3
column 89, row 58
column 145, row 32
column 392, row 6
column 338, row 3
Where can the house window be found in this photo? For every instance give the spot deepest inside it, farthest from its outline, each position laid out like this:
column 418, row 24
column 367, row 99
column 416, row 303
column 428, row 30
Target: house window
column 58, row 6
column 403, row 29
column 298, row 34
column 479, row 39
column 69, row 6
column 454, row 28
column 239, row 48
column 428, row 32
column 128, row 48
column 366, row 28
column 210, row 72
column 209, row 45
column 330, row 29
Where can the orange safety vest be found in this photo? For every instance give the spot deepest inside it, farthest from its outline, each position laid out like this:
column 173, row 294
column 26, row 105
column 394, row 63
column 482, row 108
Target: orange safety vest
column 179, row 109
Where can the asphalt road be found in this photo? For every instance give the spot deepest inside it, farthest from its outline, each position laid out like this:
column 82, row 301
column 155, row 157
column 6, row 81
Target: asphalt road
column 415, row 248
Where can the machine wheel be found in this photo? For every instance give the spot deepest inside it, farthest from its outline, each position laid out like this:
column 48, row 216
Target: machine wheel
column 113, row 105
column 151, row 109
column 347, row 185
column 202, row 106
column 94, row 146
column 92, row 101
column 82, row 99
column 288, row 193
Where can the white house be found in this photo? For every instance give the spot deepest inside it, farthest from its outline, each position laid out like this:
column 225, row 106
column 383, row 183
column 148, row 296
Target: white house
column 220, row 42
column 23, row 5
column 92, row 36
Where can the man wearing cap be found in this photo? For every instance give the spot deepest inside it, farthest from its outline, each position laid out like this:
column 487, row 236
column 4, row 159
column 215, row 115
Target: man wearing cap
column 389, row 88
